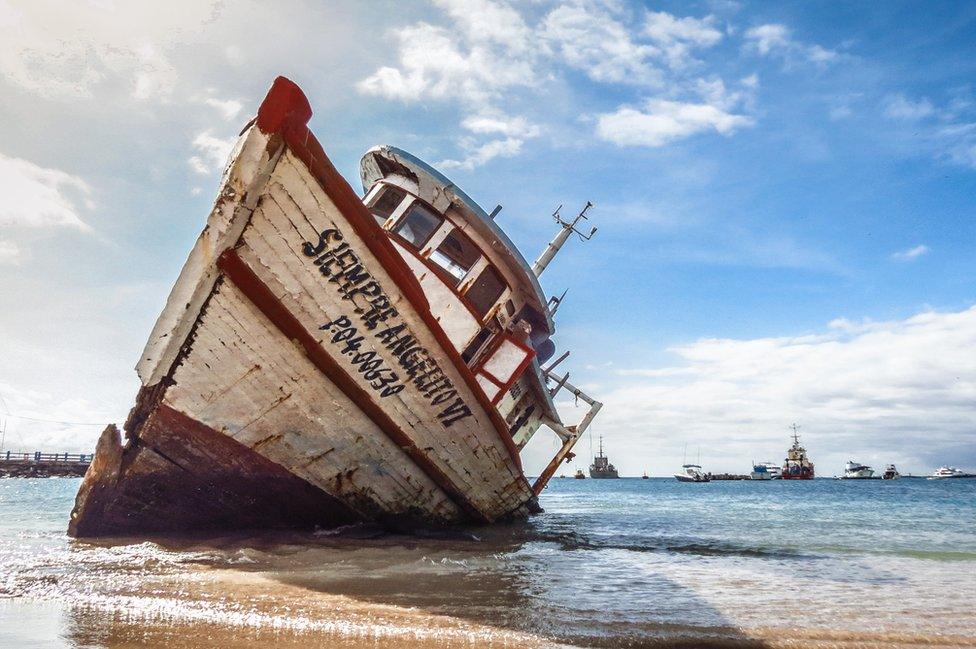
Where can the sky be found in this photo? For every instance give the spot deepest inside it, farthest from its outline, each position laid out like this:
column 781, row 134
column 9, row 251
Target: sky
column 784, row 194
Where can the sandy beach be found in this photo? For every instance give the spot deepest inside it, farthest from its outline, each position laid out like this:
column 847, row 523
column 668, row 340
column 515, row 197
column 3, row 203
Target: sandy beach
column 626, row 563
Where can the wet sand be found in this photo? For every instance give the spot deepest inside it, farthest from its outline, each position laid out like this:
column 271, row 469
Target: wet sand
column 631, row 567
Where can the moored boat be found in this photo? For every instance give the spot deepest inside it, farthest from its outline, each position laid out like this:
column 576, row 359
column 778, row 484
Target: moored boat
column 949, row 472
column 765, row 471
column 601, row 467
column 325, row 358
column 797, row 465
column 579, row 475
column 890, row 473
column 691, row 473
column 857, row 471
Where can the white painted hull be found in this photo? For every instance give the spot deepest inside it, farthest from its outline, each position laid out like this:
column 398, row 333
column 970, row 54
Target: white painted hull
column 295, row 334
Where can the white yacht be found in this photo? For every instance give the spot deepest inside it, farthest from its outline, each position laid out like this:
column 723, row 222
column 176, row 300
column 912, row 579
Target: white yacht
column 857, row 471
column 944, row 472
column 765, row 471
column 890, row 473
column 691, row 473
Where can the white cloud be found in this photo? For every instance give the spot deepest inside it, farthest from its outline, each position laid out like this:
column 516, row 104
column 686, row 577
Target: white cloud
column 662, row 121
column 678, row 36
column 775, row 39
column 489, row 53
column 478, row 154
column 38, row 197
column 472, row 62
column 213, row 153
column 10, row 253
column 840, row 112
column 768, row 38
column 66, row 50
column 878, row 391
column 900, row 107
column 911, row 254
column 228, row 108
column 599, row 45
column 497, row 123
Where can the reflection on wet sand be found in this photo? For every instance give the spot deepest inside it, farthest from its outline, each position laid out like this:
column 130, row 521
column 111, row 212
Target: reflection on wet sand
column 634, row 567
column 360, row 589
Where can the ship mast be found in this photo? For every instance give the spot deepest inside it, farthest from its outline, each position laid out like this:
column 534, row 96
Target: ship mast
column 559, row 240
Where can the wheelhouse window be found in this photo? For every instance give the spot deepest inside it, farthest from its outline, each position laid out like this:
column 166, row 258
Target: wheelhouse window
column 485, row 291
column 384, row 204
column 418, row 225
column 456, row 254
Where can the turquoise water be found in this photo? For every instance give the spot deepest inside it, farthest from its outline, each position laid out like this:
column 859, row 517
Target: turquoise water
column 610, row 562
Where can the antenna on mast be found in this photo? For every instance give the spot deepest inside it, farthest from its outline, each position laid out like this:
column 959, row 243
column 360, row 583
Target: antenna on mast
column 559, row 240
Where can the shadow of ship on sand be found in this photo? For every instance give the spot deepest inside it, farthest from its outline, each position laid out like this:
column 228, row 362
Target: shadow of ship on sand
column 515, row 579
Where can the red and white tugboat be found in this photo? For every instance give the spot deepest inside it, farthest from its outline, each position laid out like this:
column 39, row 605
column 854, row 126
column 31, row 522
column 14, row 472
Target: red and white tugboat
column 325, row 358
column 797, row 465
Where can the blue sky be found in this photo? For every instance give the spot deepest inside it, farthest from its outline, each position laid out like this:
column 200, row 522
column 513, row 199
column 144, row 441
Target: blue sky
column 784, row 194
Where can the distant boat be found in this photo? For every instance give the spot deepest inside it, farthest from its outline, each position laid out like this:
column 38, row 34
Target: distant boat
column 945, row 472
column 644, row 477
column 890, row 473
column 601, row 467
column 691, row 473
column 765, row 471
column 857, row 471
column 580, row 475
column 797, row 465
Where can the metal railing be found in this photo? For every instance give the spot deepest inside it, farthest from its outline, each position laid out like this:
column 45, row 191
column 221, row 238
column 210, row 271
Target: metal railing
column 37, row 457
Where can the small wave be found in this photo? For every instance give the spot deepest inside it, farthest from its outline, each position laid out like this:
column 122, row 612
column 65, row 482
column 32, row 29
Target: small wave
column 704, row 547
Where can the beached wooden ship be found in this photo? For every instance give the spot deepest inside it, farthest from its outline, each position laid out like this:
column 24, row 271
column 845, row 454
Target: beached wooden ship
column 326, row 358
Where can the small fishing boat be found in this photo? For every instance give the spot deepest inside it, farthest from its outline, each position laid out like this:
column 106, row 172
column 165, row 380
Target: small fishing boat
column 579, row 475
column 890, row 473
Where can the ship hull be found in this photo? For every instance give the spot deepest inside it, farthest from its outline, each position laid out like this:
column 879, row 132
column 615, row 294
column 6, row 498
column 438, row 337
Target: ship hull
column 806, row 476
column 297, row 377
column 596, row 475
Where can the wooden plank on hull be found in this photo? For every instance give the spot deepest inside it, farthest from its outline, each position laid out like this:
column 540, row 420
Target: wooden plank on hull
column 262, row 297
column 272, row 245
column 184, row 476
column 232, row 338
column 286, row 110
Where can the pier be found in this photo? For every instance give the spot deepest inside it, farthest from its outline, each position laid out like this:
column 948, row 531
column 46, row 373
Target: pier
column 37, row 464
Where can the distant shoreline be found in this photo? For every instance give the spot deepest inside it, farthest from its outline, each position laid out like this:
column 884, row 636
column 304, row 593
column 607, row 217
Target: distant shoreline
column 42, row 470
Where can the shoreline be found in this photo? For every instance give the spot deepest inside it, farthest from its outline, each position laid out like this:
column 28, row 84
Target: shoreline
column 340, row 621
column 22, row 469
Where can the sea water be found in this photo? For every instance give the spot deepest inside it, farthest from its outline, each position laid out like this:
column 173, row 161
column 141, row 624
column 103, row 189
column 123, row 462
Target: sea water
column 626, row 562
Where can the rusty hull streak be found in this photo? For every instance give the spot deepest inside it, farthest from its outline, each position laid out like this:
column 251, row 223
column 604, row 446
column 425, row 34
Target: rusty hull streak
column 237, row 271
column 183, row 475
column 286, row 110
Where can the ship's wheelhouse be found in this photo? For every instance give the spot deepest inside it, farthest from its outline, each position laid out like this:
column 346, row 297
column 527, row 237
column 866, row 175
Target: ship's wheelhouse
column 477, row 284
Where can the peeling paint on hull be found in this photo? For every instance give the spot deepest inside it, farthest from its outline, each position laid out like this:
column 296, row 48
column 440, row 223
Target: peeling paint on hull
column 296, row 377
